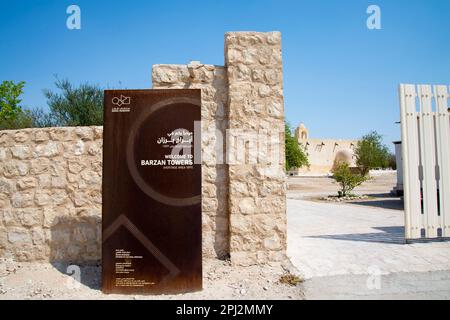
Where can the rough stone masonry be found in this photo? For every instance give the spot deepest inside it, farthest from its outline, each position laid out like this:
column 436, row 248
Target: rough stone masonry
column 50, row 179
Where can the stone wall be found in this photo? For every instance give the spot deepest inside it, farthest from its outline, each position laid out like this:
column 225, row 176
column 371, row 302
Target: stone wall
column 50, row 179
column 257, row 182
column 50, row 194
column 212, row 80
column 242, row 104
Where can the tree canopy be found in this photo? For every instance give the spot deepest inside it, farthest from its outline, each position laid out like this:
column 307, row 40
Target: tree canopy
column 12, row 114
column 295, row 156
column 73, row 106
column 371, row 153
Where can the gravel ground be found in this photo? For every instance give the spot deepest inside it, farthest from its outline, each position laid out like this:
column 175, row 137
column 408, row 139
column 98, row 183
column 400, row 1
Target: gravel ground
column 310, row 188
column 221, row 281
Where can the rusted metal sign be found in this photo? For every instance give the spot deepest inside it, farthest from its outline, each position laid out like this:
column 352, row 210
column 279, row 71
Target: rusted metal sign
column 151, row 192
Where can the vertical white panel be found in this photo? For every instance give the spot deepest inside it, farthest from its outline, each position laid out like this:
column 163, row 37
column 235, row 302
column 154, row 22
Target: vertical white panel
column 410, row 152
column 443, row 155
column 428, row 160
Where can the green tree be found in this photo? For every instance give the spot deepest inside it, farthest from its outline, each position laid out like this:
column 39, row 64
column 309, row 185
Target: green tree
column 371, row 153
column 12, row 114
column 347, row 179
column 73, row 106
column 43, row 119
column 392, row 161
column 295, row 156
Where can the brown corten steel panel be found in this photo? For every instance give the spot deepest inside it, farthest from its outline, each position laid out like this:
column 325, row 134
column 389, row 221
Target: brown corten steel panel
column 151, row 225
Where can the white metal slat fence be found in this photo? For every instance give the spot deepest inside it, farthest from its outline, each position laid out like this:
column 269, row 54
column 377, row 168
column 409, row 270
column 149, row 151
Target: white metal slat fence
column 426, row 160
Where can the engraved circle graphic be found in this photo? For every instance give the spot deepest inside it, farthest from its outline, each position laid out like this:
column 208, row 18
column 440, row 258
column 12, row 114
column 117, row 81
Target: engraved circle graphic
column 151, row 114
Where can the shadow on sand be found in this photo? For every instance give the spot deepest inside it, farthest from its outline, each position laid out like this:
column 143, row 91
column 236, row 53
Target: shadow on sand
column 76, row 250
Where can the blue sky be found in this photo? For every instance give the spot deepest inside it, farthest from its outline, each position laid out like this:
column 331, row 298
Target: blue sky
column 340, row 78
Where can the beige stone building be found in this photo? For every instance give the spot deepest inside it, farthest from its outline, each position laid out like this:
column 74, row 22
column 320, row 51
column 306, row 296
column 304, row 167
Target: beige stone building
column 323, row 153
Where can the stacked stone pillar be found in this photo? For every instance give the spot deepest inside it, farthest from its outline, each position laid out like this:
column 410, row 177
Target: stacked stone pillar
column 257, row 200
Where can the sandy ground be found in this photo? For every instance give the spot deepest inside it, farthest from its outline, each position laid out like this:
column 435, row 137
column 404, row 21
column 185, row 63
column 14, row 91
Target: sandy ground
column 221, row 281
column 342, row 249
column 310, row 188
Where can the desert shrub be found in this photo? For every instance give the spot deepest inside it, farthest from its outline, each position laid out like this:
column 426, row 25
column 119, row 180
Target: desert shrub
column 346, row 179
column 392, row 162
column 72, row 106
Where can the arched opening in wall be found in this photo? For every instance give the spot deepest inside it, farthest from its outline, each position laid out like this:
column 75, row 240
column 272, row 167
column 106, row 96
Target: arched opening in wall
column 344, row 156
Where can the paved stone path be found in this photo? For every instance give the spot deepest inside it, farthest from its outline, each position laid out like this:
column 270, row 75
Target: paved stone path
column 345, row 248
column 404, row 285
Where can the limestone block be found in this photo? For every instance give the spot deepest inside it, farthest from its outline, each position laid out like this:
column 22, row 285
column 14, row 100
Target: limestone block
column 96, row 166
column 95, row 149
column 54, row 215
column 209, row 191
column 9, row 217
column 273, row 243
column 30, row 217
column 21, row 152
column 80, row 198
column 169, row 74
column 41, row 135
column 3, row 154
column 6, row 186
column 90, row 177
column 14, row 168
column 92, row 214
column 95, row 197
column 59, row 197
column 61, row 134
column 6, row 138
column 98, row 133
column 38, row 236
column 25, row 183
column 44, row 181
column 78, row 148
column 84, row 133
column 59, row 182
column 42, row 198
column 48, row 150
column 22, row 199
column 75, row 165
column 209, row 204
column 19, row 236
column 4, row 201
column 22, row 136
column 39, row 166
column 3, row 238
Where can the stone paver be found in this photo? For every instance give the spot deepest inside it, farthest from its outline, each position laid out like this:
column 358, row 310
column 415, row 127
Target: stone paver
column 327, row 239
column 394, row 286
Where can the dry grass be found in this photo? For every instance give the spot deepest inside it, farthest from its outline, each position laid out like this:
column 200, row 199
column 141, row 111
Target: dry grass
column 290, row 279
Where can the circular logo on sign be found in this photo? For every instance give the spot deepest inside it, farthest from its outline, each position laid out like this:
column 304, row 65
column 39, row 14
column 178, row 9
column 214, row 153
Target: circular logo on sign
column 138, row 133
